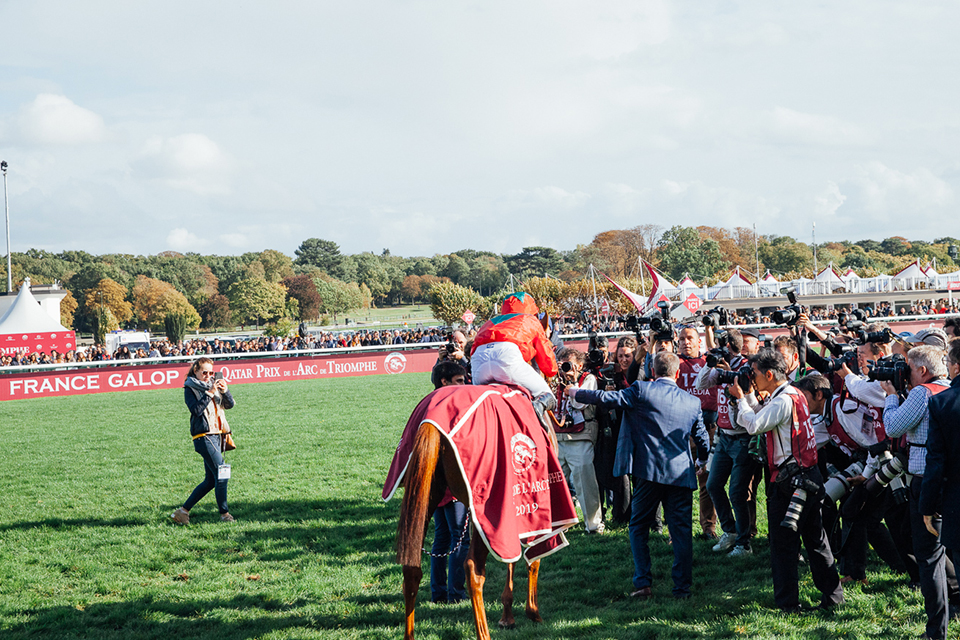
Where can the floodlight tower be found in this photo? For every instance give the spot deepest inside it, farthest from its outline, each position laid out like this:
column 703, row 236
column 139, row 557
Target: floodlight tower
column 6, row 209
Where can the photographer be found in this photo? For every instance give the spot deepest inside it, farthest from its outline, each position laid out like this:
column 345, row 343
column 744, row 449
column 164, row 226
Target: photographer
column 206, row 397
column 616, row 489
column 731, row 456
column 928, row 371
column 851, row 430
column 454, row 350
column 791, row 456
column 577, row 436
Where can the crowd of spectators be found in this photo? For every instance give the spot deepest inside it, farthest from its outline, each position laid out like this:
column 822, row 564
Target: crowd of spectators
column 210, row 346
column 568, row 326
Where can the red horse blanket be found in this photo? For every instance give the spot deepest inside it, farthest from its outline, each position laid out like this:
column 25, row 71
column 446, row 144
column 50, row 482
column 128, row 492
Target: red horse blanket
column 518, row 496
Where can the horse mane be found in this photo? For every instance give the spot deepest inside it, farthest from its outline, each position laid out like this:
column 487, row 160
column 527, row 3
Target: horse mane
column 418, row 482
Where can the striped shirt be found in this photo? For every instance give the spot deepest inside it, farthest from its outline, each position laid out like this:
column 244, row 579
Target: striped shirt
column 911, row 418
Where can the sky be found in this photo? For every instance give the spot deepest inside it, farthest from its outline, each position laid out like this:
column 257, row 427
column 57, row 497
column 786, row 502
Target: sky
column 428, row 127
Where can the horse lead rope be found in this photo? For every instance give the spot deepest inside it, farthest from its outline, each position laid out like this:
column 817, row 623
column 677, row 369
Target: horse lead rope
column 463, row 534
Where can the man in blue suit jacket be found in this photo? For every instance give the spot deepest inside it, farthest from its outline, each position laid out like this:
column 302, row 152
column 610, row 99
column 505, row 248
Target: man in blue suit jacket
column 940, row 491
column 658, row 420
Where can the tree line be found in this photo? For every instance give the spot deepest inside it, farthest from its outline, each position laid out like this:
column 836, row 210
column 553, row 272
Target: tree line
column 119, row 290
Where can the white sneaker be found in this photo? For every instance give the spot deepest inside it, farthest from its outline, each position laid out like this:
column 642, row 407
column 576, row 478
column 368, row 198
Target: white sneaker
column 740, row 550
column 726, row 542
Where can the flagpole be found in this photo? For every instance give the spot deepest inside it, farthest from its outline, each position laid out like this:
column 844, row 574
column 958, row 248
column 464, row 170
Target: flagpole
column 596, row 310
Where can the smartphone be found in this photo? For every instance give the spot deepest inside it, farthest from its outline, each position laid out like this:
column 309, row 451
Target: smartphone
column 218, row 375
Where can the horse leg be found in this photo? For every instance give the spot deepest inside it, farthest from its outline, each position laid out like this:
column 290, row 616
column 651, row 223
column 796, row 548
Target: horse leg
column 476, row 574
column 507, row 621
column 411, row 585
column 533, row 609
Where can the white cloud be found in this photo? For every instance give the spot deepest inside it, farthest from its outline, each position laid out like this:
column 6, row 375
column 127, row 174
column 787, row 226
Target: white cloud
column 55, row 120
column 235, row 240
column 191, row 162
column 787, row 125
column 831, row 199
column 181, row 239
column 548, row 196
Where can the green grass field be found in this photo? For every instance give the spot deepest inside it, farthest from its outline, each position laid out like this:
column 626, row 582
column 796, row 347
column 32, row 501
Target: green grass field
column 87, row 549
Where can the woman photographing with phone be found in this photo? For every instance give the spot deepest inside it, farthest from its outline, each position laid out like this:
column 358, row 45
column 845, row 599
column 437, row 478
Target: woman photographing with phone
column 207, row 397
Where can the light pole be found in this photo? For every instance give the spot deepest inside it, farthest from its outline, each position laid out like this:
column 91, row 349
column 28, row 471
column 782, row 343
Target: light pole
column 6, row 209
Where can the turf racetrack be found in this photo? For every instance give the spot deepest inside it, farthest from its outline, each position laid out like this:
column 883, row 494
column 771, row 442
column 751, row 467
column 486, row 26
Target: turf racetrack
column 87, row 549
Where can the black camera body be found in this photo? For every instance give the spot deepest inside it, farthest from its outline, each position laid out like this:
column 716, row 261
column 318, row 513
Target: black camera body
column 661, row 326
column 742, row 376
column 716, row 356
column 848, row 358
column 788, row 315
column 893, row 369
column 716, row 317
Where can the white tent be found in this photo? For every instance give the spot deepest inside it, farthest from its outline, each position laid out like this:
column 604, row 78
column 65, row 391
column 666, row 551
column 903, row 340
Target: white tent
column 27, row 327
column 26, row 316
column 769, row 285
column 852, row 281
column 909, row 276
column 736, row 286
column 828, row 281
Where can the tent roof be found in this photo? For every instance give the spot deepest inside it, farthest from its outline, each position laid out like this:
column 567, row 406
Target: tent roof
column 686, row 282
column 912, row 270
column 850, row 274
column 26, row 316
column 829, row 275
column 770, row 278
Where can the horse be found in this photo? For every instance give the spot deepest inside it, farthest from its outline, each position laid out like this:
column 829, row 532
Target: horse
column 431, row 470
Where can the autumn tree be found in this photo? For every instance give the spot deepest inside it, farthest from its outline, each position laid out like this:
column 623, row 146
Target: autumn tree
column 154, row 300
column 68, row 307
column 411, row 287
column 303, row 289
column 449, row 301
column 276, row 265
column 215, row 312
column 337, row 297
column 108, row 294
column 256, row 299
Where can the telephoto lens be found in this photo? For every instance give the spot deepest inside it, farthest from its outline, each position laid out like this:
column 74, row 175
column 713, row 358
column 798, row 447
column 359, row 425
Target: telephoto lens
column 890, row 467
column 795, row 509
column 838, row 484
column 900, row 490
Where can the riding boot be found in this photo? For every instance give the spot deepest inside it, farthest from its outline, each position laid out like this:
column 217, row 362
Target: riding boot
column 543, row 403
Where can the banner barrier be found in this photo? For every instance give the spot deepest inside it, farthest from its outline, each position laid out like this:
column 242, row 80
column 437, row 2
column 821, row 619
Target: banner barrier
column 76, row 380
column 131, row 377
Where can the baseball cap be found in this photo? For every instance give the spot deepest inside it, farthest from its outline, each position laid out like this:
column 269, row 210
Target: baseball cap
column 934, row 337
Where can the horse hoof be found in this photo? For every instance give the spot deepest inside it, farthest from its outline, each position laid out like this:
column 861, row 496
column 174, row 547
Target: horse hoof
column 535, row 617
column 507, row 625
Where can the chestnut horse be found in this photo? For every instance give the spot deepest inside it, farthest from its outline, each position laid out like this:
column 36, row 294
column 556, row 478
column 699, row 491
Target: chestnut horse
column 432, row 469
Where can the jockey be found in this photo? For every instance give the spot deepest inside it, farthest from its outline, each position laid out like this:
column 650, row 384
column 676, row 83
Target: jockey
column 508, row 342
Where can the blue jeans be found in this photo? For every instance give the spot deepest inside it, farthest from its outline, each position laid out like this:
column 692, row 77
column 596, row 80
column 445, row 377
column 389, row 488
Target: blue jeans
column 449, row 521
column 209, row 449
column 678, row 514
column 731, row 460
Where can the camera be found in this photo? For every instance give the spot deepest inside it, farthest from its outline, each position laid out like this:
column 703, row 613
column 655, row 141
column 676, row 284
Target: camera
column 791, row 475
column 900, row 488
column 855, row 315
column 566, row 367
column 661, row 325
column 716, row 317
column 848, row 358
column 742, row 376
column 838, row 484
column 881, row 337
column 635, row 324
column 893, row 369
column 788, row 315
column 600, row 368
column 715, row 356
column 891, row 467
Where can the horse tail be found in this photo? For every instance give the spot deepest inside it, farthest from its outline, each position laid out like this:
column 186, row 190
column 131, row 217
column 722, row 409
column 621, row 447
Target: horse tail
column 416, row 495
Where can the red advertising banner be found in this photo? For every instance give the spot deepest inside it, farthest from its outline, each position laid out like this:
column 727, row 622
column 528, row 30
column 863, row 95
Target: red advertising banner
column 129, row 377
column 62, row 342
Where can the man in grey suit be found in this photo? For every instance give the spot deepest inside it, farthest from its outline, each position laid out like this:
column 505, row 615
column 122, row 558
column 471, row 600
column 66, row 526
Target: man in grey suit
column 658, row 420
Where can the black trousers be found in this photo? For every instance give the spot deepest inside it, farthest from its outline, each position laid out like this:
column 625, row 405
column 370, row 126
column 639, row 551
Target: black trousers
column 936, row 581
column 785, row 549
